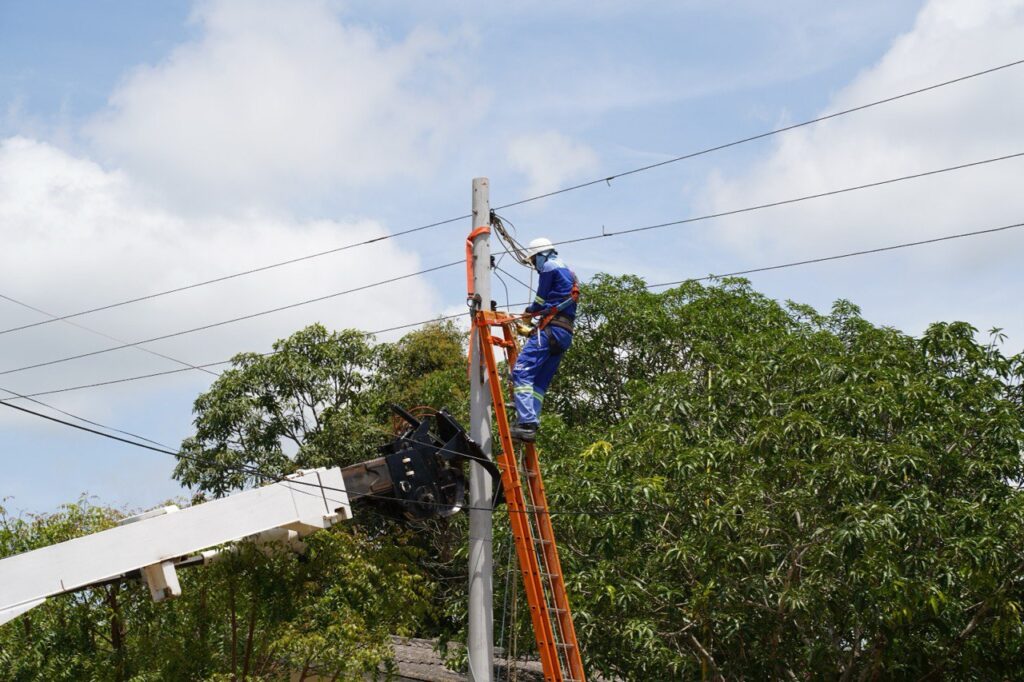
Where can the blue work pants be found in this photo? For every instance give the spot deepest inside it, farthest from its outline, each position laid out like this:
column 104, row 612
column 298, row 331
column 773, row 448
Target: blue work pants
column 535, row 368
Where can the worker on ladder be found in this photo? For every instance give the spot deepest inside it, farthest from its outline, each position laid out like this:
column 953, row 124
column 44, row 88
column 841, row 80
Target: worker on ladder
column 555, row 305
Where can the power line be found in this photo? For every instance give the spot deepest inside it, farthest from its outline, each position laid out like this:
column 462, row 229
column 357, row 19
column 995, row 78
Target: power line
column 241, row 468
column 784, row 202
column 736, row 273
column 603, row 235
column 154, row 448
column 242, row 273
column 106, row 336
column 407, row 325
column 761, row 136
column 137, row 377
column 519, row 281
column 229, row 321
column 840, row 256
column 824, row 259
column 571, row 188
column 82, row 419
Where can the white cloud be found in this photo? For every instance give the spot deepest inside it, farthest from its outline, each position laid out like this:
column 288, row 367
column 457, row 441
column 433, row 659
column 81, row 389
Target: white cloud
column 961, row 123
column 282, row 100
column 549, row 160
column 78, row 235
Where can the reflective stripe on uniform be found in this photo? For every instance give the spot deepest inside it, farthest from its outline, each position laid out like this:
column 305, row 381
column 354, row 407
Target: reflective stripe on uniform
column 538, row 299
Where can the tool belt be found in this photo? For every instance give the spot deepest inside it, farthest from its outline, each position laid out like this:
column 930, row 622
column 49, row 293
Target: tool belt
column 561, row 321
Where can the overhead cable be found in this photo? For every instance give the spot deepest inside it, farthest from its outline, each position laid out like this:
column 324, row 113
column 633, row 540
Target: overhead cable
column 736, row 273
column 440, row 318
column 97, row 332
column 850, row 254
column 784, row 202
column 603, row 235
column 221, row 323
column 242, row 273
column 242, row 468
column 762, row 136
column 606, row 179
column 168, row 451
column 82, row 419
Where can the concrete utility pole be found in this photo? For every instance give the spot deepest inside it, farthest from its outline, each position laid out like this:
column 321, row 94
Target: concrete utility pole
column 480, row 638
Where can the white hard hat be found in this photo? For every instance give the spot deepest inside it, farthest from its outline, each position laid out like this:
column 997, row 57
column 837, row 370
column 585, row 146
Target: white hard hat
column 539, row 245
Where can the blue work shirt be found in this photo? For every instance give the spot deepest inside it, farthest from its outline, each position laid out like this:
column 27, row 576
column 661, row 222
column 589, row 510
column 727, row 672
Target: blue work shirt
column 554, row 288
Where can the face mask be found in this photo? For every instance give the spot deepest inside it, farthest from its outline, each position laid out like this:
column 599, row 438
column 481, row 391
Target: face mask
column 539, row 260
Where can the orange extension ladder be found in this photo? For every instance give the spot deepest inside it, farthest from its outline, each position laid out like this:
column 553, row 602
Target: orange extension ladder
column 531, row 520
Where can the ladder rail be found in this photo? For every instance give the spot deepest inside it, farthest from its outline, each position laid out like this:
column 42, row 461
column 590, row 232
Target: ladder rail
column 563, row 615
column 530, row 519
column 563, row 622
column 521, row 531
column 550, row 572
column 540, row 537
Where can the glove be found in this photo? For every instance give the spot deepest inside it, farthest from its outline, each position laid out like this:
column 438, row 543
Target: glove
column 524, row 329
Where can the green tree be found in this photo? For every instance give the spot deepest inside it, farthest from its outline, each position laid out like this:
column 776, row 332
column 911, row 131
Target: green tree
column 742, row 489
column 782, row 494
column 257, row 613
column 320, row 398
column 304, row 405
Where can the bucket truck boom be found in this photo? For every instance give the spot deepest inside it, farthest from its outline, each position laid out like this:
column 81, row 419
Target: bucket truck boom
column 418, row 476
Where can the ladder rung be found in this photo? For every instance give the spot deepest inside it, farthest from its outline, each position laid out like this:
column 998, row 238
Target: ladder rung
column 565, row 645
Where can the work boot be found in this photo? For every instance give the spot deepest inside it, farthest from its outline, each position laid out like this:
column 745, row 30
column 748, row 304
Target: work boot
column 527, row 433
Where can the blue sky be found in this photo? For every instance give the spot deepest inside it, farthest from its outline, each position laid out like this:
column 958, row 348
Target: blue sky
column 148, row 145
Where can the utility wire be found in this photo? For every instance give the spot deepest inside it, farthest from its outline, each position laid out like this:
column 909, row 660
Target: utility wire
column 82, row 419
column 105, row 335
column 229, row 321
column 530, row 288
column 255, row 472
column 241, row 468
column 825, row 259
column 603, row 235
column 504, row 284
column 571, row 188
column 250, row 271
column 851, row 254
column 155, row 448
column 737, row 273
column 407, row 325
column 784, row 202
column 761, row 136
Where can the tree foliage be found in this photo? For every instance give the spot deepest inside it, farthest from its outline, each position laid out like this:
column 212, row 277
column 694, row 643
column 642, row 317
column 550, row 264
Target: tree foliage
column 254, row 614
column 320, row 398
column 788, row 494
column 748, row 490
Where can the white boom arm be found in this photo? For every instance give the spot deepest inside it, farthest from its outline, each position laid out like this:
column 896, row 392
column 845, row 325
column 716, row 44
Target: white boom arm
column 154, row 542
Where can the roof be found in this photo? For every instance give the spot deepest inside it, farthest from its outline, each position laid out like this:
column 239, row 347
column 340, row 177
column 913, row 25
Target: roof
column 417, row 660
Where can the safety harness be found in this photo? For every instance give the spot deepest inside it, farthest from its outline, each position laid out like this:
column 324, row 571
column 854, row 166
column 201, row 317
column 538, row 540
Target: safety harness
column 555, row 318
